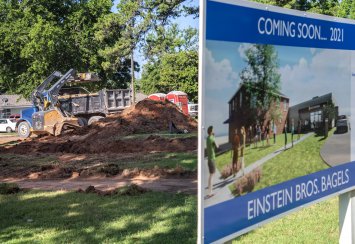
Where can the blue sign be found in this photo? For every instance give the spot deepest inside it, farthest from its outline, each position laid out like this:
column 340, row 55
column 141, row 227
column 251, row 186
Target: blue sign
column 228, row 27
column 240, row 213
column 226, row 22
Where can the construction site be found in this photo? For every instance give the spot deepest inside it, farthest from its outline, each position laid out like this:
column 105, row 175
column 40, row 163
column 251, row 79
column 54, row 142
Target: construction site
column 136, row 146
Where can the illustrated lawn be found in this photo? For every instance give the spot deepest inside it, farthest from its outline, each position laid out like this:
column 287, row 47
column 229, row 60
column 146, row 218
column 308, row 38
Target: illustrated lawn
column 315, row 224
column 252, row 154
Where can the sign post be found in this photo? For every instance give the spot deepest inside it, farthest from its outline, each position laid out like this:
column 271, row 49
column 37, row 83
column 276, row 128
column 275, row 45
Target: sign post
column 273, row 82
column 347, row 217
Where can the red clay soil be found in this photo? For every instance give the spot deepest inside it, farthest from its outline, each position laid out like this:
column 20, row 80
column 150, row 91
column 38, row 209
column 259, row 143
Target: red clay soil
column 147, row 116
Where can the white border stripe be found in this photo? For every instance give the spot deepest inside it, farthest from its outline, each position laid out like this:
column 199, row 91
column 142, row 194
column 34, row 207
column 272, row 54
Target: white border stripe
column 201, row 87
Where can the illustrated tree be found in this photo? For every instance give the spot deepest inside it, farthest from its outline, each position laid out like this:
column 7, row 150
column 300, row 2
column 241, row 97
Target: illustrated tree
column 172, row 62
column 262, row 79
column 329, row 112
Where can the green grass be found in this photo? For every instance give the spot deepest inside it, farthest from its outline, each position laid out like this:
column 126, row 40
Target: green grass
column 167, row 160
column 315, row 224
column 62, row 217
column 252, row 154
column 304, row 158
column 11, row 164
column 163, row 134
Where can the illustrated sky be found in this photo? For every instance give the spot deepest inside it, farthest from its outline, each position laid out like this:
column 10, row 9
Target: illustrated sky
column 305, row 73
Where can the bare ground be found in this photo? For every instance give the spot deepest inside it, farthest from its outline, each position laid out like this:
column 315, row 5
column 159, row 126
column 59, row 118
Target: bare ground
column 123, row 148
column 188, row 186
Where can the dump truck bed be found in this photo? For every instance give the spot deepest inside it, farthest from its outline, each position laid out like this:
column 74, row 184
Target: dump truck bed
column 103, row 102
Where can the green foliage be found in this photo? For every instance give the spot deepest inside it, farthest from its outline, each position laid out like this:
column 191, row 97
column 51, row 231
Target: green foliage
column 173, row 71
column 339, row 8
column 261, row 77
column 172, row 62
column 39, row 37
column 125, row 31
column 329, row 112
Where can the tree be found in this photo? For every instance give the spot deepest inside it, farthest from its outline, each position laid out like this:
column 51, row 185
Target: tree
column 38, row 37
column 172, row 62
column 173, row 71
column 339, row 8
column 126, row 31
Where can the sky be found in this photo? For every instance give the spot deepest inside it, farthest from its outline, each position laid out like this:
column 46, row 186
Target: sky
column 183, row 22
column 305, row 73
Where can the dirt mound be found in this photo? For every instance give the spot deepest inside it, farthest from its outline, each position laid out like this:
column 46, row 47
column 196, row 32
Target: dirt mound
column 128, row 190
column 111, row 134
column 9, row 188
column 150, row 116
column 109, row 145
column 147, row 116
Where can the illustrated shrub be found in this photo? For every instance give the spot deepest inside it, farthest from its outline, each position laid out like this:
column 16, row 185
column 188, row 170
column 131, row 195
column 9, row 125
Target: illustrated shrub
column 247, row 182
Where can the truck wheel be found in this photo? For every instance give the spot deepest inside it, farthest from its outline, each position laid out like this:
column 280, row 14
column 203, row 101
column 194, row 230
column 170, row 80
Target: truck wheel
column 8, row 130
column 94, row 119
column 24, row 130
column 82, row 121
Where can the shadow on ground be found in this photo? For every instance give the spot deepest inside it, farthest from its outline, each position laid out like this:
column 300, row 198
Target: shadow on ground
column 67, row 217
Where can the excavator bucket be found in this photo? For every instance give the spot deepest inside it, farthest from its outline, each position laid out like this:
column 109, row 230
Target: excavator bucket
column 86, row 77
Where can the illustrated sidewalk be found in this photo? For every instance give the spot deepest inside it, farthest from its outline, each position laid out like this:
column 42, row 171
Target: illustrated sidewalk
column 220, row 186
column 336, row 150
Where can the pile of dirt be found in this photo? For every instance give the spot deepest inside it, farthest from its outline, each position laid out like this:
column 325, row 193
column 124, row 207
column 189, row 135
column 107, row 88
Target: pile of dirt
column 128, row 190
column 177, row 172
column 108, row 135
column 9, row 188
column 148, row 116
column 110, row 170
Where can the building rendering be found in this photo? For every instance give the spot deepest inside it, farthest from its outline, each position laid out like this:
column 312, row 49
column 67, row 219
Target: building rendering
column 311, row 114
column 244, row 112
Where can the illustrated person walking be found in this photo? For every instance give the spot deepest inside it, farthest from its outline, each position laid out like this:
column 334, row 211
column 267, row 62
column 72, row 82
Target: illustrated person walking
column 236, row 145
column 299, row 129
column 258, row 132
column 285, row 133
column 292, row 130
column 274, row 129
column 242, row 147
column 267, row 132
column 211, row 155
column 255, row 136
column 250, row 135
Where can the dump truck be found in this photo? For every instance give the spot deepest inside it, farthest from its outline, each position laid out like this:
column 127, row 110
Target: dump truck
column 91, row 107
column 53, row 113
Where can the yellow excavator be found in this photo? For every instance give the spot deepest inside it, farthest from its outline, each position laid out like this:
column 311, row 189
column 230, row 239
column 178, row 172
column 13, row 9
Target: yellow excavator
column 46, row 115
